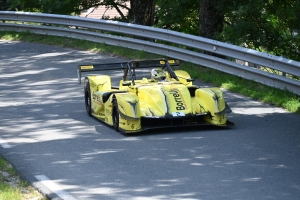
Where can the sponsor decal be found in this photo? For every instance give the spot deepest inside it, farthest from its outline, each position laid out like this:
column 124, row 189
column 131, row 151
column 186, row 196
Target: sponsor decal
column 97, row 99
column 222, row 118
column 169, row 61
column 99, row 114
column 180, row 104
column 87, row 67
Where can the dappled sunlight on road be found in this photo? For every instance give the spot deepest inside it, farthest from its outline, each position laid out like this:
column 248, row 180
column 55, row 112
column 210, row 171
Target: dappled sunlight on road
column 261, row 111
column 38, row 96
column 248, row 106
column 24, row 73
column 254, row 108
column 43, row 119
column 117, row 190
column 129, row 139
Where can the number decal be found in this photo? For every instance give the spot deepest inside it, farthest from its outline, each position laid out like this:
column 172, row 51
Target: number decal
column 222, row 118
column 178, row 114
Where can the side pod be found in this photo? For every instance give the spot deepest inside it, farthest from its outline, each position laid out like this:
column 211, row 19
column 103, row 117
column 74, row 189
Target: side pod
column 213, row 102
column 129, row 112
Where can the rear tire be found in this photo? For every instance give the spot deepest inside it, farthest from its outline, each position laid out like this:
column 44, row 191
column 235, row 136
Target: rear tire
column 115, row 115
column 87, row 98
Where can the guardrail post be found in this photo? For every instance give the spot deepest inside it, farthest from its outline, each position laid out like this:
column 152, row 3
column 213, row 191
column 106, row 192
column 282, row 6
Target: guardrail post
column 283, row 73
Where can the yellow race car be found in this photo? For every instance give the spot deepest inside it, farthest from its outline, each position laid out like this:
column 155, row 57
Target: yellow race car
column 159, row 98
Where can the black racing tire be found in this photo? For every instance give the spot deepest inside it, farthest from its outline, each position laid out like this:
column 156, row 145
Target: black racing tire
column 87, row 98
column 115, row 115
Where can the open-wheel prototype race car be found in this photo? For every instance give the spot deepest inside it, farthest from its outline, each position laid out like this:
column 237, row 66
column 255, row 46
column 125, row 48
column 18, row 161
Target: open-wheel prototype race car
column 161, row 98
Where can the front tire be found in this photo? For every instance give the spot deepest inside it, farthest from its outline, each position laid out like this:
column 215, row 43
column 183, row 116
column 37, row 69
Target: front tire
column 115, row 115
column 87, row 98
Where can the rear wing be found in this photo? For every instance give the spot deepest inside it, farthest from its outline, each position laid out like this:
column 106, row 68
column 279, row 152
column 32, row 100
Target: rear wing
column 99, row 67
column 126, row 66
column 153, row 63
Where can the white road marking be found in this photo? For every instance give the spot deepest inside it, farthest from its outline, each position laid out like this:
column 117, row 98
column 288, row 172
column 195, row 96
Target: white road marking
column 4, row 144
column 51, row 185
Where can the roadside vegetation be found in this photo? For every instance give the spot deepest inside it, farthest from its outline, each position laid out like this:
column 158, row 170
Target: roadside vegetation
column 259, row 92
column 12, row 187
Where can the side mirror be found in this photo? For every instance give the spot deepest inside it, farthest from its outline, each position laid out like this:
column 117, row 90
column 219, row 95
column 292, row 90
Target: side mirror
column 190, row 79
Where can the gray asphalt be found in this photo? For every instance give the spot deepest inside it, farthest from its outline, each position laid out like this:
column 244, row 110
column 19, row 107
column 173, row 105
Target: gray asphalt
column 43, row 119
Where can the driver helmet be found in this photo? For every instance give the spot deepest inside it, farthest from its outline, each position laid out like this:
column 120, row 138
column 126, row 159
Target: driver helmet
column 158, row 74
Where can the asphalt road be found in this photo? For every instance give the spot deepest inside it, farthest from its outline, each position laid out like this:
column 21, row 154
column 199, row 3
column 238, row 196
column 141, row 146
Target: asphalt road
column 47, row 135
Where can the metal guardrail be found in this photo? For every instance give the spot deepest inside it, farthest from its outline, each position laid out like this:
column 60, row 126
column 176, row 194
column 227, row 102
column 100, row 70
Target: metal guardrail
column 180, row 46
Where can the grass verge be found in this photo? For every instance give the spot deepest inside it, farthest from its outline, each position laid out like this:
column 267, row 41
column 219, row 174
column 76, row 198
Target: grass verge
column 260, row 92
column 13, row 187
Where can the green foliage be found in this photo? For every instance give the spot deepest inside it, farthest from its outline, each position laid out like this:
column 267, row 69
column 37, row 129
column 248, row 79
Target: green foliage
column 4, row 5
column 8, row 193
column 269, row 25
column 272, row 26
column 57, row 6
column 47, row 6
column 178, row 15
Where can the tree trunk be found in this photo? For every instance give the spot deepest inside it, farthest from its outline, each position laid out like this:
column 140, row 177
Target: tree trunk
column 142, row 12
column 210, row 19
